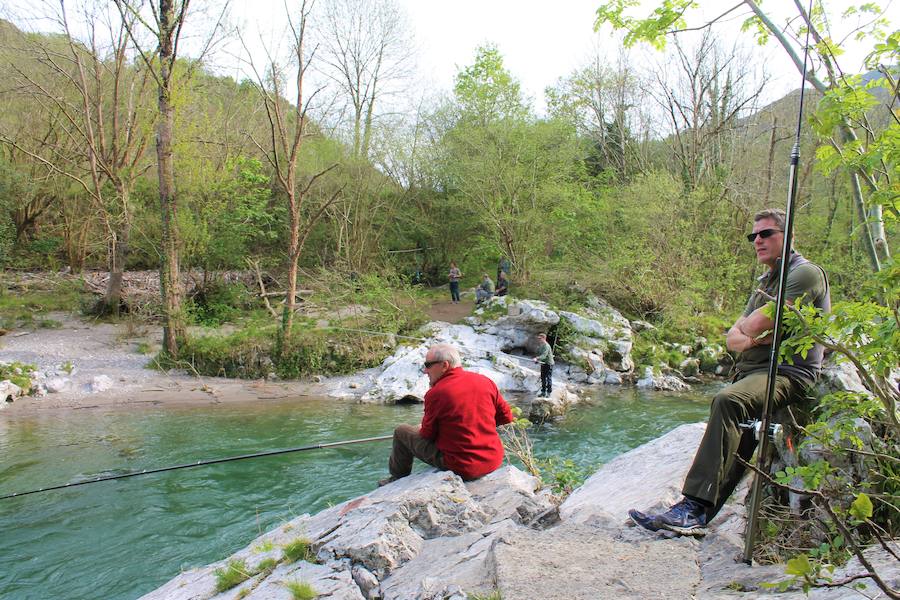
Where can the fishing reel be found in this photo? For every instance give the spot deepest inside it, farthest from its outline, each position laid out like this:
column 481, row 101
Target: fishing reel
column 775, row 430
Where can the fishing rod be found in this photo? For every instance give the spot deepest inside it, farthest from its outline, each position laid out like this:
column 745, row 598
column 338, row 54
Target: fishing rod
column 199, row 463
column 766, row 418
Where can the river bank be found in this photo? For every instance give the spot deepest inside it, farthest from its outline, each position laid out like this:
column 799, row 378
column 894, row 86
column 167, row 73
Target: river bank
column 78, row 352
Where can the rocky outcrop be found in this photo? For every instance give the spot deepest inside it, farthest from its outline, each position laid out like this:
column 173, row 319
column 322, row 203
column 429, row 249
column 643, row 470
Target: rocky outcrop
column 431, row 536
column 420, row 537
column 481, row 352
column 498, row 342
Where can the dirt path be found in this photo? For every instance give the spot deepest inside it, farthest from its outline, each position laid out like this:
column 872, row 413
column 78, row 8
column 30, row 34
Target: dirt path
column 449, row 312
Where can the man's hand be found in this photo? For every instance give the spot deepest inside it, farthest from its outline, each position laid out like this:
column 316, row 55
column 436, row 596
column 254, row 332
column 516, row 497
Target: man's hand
column 747, row 332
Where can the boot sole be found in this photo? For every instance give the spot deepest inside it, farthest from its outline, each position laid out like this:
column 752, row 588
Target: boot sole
column 686, row 531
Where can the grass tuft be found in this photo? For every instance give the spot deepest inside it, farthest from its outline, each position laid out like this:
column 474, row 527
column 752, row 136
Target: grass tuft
column 300, row 590
column 234, row 573
column 299, row 549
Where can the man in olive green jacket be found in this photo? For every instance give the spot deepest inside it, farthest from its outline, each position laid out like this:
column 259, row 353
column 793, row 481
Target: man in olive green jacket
column 716, row 472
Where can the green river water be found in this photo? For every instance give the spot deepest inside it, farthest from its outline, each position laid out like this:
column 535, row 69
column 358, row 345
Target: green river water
column 122, row 539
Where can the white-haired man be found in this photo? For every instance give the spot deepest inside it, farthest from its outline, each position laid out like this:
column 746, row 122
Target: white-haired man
column 459, row 428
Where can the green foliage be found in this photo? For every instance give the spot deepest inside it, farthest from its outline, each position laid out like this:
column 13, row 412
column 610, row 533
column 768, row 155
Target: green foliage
column 218, row 303
column 299, row 549
column 234, row 573
column 266, row 565
column 244, row 353
column 18, row 373
column 486, row 91
column 494, row 595
column 858, row 505
column 668, row 15
column 301, row 590
column 563, row 475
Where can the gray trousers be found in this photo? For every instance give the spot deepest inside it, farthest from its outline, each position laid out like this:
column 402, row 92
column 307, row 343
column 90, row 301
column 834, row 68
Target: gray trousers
column 408, row 444
column 716, row 472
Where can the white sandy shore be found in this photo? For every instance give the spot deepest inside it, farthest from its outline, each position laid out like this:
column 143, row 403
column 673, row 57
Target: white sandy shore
column 95, row 349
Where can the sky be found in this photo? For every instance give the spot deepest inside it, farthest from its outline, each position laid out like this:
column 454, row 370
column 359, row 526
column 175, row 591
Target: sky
column 542, row 41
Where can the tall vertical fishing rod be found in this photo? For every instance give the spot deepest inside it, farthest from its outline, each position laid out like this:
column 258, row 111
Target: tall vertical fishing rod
column 756, row 493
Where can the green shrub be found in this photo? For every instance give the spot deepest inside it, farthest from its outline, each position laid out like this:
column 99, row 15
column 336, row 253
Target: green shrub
column 218, row 303
column 266, row 565
column 234, row 573
column 328, row 352
column 242, row 354
column 300, row 590
column 18, row 373
column 299, row 549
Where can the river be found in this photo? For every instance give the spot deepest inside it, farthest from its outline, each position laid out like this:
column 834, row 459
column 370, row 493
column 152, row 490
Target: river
column 122, row 539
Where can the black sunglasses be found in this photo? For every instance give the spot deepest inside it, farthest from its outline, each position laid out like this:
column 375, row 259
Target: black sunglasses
column 764, row 234
column 429, row 363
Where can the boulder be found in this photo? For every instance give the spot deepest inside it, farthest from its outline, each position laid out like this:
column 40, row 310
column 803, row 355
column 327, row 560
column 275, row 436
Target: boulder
column 401, row 375
column 524, row 320
column 647, row 478
column 605, row 333
column 711, row 357
column 839, row 376
column 689, row 367
column 101, row 383
column 638, row 325
column 57, row 384
column 661, row 382
column 429, row 535
column 8, row 392
column 540, row 408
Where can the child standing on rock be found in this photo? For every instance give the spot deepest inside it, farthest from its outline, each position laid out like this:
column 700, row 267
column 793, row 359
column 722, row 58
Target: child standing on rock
column 545, row 358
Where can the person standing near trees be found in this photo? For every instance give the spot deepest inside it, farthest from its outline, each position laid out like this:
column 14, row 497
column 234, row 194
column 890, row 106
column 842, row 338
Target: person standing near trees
column 545, row 358
column 459, row 427
column 503, row 266
column 716, row 472
column 454, row 276
column 502, row 284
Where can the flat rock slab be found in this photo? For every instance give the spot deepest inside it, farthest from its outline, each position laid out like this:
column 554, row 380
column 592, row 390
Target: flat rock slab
column 594, row 560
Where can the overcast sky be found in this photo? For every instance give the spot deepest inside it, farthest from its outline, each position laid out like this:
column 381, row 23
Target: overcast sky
column 539, row 40
column 542, row 41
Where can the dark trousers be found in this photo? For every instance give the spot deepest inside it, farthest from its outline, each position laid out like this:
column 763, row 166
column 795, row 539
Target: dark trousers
column 454, row 291
column 408, row 444
column 546, row 379
column 716, row 472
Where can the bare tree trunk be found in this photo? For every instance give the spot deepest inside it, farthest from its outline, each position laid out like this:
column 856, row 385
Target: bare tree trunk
column 169, row 274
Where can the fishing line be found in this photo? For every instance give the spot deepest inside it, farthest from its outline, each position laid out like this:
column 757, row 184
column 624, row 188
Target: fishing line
column 199, row 463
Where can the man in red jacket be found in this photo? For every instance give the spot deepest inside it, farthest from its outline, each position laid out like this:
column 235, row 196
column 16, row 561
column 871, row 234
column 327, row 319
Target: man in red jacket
column 459, row 427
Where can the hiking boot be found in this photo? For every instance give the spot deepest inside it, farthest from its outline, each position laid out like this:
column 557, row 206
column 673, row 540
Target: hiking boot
column 644, row 520
column 386, row 480
column 687, row 517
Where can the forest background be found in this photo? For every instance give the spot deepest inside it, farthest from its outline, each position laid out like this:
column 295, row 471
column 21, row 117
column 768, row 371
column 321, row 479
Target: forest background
column 639, row 183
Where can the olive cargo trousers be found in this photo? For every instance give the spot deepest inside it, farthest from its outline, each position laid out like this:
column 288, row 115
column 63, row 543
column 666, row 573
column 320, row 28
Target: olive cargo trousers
column 408, row 444
column 715, row 472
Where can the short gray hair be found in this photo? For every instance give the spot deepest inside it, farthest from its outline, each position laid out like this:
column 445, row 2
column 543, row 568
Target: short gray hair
column 776, row 214
column 446, row 352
